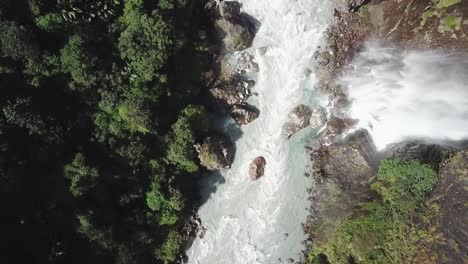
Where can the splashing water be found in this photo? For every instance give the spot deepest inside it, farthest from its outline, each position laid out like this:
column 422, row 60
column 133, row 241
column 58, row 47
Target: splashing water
column 400, row 95
column 247, row 221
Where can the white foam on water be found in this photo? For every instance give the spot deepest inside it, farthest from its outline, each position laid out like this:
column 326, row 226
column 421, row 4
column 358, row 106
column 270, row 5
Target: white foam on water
column 246, row 221
column 402, row 94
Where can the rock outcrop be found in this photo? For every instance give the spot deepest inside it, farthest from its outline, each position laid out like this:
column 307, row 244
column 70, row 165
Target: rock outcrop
column 431, row 154
column 216, row 152
column 298, row 119
column 257, row 168
column 232, row 27
column 349, row 162
column 244, row 114
column 231, row 92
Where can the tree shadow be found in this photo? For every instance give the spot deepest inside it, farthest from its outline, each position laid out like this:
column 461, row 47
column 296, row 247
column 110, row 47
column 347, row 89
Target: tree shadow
column 209, row 184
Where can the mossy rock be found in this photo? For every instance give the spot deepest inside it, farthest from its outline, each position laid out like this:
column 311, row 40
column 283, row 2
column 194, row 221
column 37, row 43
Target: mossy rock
column 216, row 152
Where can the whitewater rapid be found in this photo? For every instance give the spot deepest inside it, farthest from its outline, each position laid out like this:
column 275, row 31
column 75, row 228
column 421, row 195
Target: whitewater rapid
column 405, row 94
column 260, row 222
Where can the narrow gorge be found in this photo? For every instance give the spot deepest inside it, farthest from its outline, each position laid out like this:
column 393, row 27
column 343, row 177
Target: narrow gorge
column 324, row 93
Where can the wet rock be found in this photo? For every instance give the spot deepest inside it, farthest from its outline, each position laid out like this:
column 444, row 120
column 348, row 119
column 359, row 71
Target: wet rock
column 232, row 92
column 244, row 114
column 216, row 152
column 246, row 63
column 318, row 117
column 298, row 119
column 337, row 126
column 257, row 168
column 349, row 162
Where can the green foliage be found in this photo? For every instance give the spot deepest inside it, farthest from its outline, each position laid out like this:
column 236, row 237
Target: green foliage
column 19, row 114
column 16, row 42
column 102, row 237
column 135, row 116
column 449, row 24
column 169, row 250
column 403, row 181
column 144, row 43
column 380, row 231
column 82, row 176
column 181, row 149
column 50, row 22
column 77, row 61
column 446, row 3
column 166, row 206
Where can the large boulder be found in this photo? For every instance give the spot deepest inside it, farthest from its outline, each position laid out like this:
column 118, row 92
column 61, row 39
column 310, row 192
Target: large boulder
column 232, row 92
column 318, row 118
column 244, row 114
column 349, row 163
column 257, row 168
column 298, row 119
column 216, row 152
column 233, row 28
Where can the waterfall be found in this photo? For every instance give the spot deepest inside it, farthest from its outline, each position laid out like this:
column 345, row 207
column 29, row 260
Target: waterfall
column 260, row 222
column 403, row 94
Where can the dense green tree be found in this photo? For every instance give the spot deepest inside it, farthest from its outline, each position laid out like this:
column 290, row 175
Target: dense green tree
column 145, row 42
column 82, row 176
column 16, row 41
column 102, row 237
column 169, row 250
column 181, row 149
column 77, row 61
column 50, row 22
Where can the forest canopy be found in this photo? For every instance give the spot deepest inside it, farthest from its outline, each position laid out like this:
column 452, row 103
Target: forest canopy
column 97, row 128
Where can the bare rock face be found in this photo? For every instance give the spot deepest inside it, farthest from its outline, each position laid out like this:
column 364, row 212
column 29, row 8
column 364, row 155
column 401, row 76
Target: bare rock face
column 216, row 152
column 257, row 168
column 298, row 119
column 244, row 114
column 431, row 154
column 318, row 118
column 349, row 163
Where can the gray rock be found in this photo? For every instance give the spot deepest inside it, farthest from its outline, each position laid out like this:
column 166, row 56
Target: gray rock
column 246, row 63
column 431, row 154
column 298, row 119
column 244, row 114
column 257, row 168
column 318, row 117
column 350, row 162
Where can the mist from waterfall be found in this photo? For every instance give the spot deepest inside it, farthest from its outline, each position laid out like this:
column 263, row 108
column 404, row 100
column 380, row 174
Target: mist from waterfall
column 404, row 94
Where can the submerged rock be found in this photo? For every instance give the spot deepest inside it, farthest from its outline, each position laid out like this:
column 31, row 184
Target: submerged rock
column 257, row 168
column 244, row 114
column 216, row 152
column 298, row 119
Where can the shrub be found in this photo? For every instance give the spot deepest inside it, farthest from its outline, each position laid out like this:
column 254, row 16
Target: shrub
column 379, row 232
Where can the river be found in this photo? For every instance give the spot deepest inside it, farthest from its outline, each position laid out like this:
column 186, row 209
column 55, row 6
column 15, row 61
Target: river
column 260, row 222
